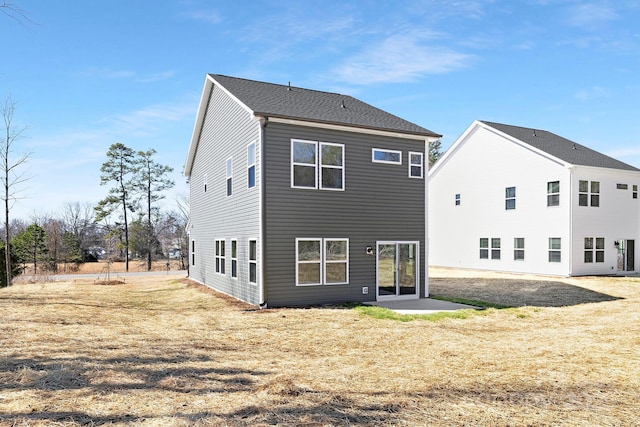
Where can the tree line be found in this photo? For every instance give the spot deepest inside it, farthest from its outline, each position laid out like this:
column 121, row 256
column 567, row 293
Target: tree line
column 126, row 224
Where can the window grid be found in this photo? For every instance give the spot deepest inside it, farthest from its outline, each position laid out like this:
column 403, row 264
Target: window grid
column 518, row 248
column 234, row 258
column 253, row 261
column 220, row 256
column 553, row 193
column 229, row 177
column 322, row 261
column 416, row 164
column 593, row 252
column 251, row 165
column 555, row 246
column 510, row 198
column 495, row 248
column 317, row 165
column 589, row 193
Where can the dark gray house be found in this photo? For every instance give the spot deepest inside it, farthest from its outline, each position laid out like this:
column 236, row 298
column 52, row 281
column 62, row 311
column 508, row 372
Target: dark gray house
column 303, row 197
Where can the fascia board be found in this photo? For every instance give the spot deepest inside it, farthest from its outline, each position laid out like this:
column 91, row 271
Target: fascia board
column 454, row 147
column 355, row 129
column 526, row 146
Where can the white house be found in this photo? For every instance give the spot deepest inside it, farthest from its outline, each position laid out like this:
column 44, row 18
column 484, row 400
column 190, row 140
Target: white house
column 509, row 198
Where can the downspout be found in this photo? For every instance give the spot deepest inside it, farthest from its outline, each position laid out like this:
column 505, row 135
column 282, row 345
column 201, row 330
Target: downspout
column 425, row 172
column 262, row 289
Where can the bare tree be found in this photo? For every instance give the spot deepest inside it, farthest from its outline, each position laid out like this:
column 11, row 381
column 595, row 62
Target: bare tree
column 10, row 170
column 14, row 11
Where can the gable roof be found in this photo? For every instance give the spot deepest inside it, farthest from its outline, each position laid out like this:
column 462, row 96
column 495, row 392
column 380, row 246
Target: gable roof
column 561, row 148
column 289, row 102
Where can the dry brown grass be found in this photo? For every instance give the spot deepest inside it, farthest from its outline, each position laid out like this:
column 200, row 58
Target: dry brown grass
column 160, row 352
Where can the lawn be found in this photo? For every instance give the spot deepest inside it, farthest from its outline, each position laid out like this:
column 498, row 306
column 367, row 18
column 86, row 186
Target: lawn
column 156, row 351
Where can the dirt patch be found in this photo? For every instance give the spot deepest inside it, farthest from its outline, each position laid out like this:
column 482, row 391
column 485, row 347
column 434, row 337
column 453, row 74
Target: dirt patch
column 514, row 290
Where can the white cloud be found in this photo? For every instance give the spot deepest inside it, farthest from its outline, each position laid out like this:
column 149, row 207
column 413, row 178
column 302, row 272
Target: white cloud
column 593, row 92
column 209, row 16
column 590, row 15
column 401, row 58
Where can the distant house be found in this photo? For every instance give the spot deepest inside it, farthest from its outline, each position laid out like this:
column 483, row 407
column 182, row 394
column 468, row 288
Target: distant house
column 517, row 199
column 305, row 197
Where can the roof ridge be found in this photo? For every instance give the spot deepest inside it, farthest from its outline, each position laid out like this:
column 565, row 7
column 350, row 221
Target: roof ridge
column 288, row 86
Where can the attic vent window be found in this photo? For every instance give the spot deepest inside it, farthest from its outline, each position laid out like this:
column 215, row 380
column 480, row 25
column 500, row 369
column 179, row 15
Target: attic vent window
column 622, row 186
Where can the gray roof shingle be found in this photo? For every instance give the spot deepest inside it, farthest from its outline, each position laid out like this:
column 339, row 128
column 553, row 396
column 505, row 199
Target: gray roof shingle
column 561, row 148
column 282, row 101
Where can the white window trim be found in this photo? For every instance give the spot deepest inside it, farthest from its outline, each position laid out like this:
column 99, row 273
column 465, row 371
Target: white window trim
column 549, row 250
column 251, row 165
column 321, row 166
column 522, row 249
column 416, row 165
column 232, row 241
column 383, row 150
column 298, row 262
column 293, row 164
column 229, row 173
column 508, row 198
column 220, row 256
column 323, row 262
column 318, row 165
column 553, row 194
column 250, row 261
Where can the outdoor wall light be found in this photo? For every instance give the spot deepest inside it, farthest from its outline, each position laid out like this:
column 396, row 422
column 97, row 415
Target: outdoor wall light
column 369, row 250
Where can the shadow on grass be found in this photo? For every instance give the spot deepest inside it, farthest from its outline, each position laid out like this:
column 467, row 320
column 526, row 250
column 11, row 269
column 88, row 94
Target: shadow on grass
column 516, row 293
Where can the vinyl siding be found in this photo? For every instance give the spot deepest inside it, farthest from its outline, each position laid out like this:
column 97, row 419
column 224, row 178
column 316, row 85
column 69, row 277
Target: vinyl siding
column 227, row 131
column 380, row 202
column 480, row 170
column 617, row 218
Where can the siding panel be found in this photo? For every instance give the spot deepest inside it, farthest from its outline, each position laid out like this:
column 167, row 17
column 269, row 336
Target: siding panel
column 380, row 202
column 227, row 130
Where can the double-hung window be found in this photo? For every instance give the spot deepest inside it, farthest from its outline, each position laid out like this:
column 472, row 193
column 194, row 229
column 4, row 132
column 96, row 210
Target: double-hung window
column 589, row 193
column 229, row 177
column 484, row 248
column 234, row 258
column 220, row 256
column 251, row 165
column 553, row 193
column 555, row 247
column 322, row 261
column 590, row 249
column 510, row 198
column 518, row 248
column 193, row 252
column 457, row 199
column 253, row 261
column 635, row 191
column 317, row 165
column 416, row 165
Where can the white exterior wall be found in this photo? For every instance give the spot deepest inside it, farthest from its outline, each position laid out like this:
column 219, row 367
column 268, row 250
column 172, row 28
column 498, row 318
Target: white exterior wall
column 480, row 169
column 481, row 164
column 617, row 218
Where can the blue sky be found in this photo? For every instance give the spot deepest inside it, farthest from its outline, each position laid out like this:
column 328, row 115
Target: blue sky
column 86, row 74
